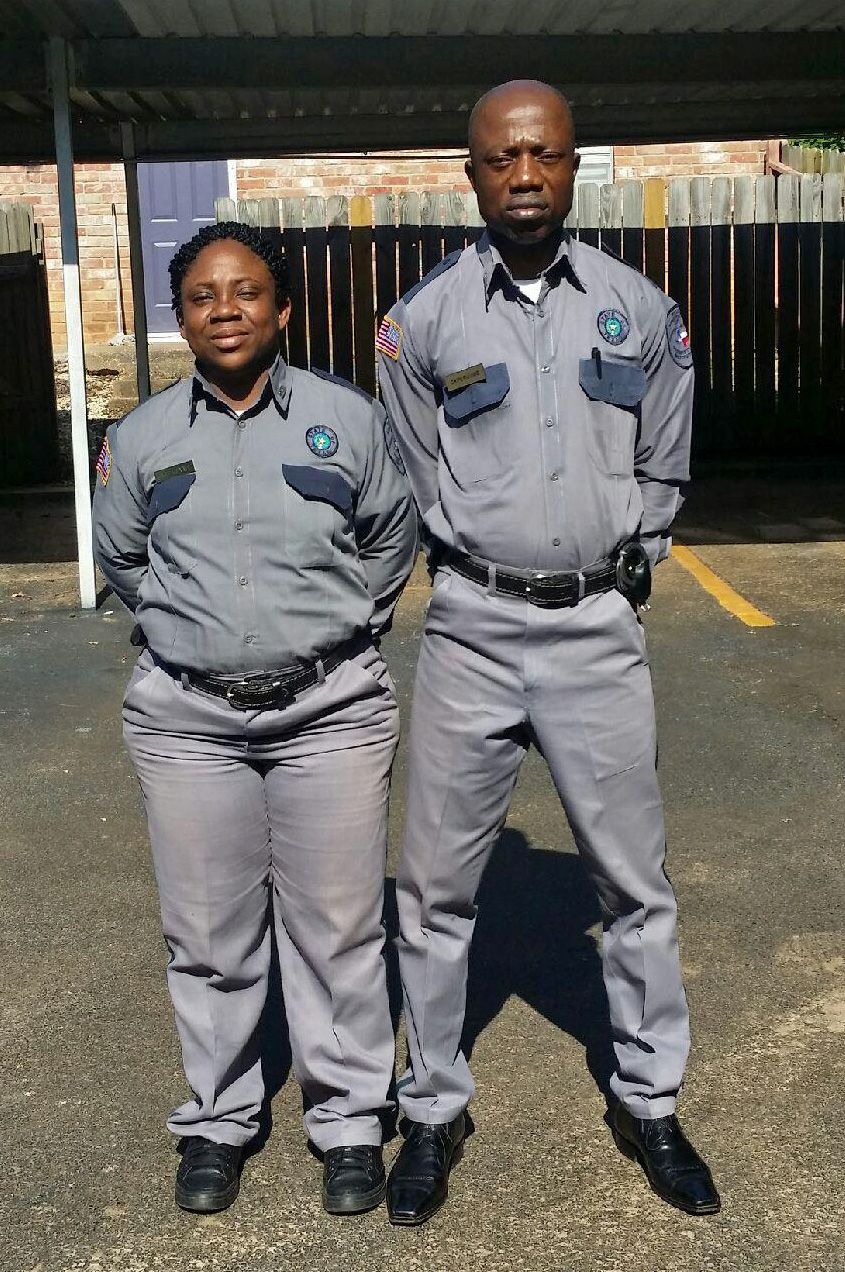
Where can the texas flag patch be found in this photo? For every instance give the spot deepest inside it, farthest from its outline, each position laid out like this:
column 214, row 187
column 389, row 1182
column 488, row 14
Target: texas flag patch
column 104, row 463
column 389, row 339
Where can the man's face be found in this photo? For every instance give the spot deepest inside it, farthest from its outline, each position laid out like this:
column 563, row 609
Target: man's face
column 230, row 315
column 522, row 165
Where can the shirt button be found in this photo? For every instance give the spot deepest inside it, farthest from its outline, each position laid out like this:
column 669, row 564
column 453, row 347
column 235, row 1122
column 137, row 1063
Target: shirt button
column 549, row 423
column 555, row 543
column 239, row 472
column 554, row 476
column 541, row 313
column 243, row 580
column 239, row 525
column 249, row 638
column 241, row 423
column 545, row 370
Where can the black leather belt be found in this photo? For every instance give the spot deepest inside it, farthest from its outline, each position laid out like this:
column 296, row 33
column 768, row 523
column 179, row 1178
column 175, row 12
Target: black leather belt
column 264, row 689
column 547, row 590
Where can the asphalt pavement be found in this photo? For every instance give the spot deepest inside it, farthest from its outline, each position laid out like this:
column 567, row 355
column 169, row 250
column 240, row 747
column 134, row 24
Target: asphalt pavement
column 751, row 761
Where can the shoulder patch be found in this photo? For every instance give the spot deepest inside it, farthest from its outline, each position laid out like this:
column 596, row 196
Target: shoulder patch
column 344, row 384
column 678, row 339
column 446, row 263
column 392, row 446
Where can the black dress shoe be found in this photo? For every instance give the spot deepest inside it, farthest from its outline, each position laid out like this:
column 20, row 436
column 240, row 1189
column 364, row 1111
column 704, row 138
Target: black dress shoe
column 419, row 1178
column 673, row 1168
column 209, row 1175
column 353, row 1179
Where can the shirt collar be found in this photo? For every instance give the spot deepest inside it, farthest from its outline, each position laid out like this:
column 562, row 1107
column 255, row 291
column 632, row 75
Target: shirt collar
column 496, row 272
column 278, row 386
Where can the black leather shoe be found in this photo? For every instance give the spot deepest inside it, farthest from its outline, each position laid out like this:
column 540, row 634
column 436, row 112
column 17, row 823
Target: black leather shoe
column 353, row 1179
column 673, row 1168
column 209, row 1175
column 419, row 1178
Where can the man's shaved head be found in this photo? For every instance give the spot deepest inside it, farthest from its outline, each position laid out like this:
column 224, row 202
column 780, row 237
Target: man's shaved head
column 522, row 166
column 514, row 93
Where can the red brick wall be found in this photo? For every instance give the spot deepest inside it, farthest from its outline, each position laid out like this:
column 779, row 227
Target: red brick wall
column 690, row 159
column 378, row 174
column 98, row 185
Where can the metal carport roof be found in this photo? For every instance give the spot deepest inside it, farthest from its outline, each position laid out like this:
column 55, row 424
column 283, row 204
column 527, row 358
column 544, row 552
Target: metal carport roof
column 306, row 75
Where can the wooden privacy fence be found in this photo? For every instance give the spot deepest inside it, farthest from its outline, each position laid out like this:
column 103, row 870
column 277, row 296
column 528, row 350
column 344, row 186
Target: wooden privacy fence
column 28, row 423
column 755, row 263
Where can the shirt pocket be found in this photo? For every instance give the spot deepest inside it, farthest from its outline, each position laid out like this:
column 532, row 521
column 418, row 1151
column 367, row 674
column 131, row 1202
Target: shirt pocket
column 320, row 513
column 172, row 525
column 614, row 391
column 476, row 441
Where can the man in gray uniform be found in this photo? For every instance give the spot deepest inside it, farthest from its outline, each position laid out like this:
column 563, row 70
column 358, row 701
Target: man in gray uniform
column 541, row 392
column 257, row 522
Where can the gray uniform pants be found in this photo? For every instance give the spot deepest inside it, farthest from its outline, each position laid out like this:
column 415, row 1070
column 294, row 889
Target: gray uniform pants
column 494, row 674
column 292, row 803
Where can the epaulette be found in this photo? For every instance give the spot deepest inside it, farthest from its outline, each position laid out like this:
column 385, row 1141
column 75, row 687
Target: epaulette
column 344, row 384
column 446, row 263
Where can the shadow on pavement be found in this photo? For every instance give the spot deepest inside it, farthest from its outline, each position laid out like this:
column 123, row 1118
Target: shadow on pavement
column 802, row 502
column 535, row 909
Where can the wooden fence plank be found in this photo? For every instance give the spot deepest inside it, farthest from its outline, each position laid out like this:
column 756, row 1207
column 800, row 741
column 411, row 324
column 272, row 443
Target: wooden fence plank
column 248, row 211
column 225, row 210
column 363, row 303
column 409, row 241
column 384, row 233
column 833, row 257
column 787, row 302
column 654, row 197
column 744, row 191
column 678, row 244
column 632, row 223
column 721, row 309
column 610, row 217
column 588, row 213
column 431, row 231
column 700, row 303
column 316, row 251
column 340, row 283
column 764, row 305
column 291, row 211
column 809, row 231
column 454, row 221
column 475, row 225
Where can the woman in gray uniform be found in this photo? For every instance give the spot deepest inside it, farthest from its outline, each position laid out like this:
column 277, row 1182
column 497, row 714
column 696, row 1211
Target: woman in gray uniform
column 256, row 520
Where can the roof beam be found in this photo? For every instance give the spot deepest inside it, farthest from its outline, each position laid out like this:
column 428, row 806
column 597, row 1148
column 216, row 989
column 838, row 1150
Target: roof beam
column 439, row 61
column 28, row 140
column 427, row 61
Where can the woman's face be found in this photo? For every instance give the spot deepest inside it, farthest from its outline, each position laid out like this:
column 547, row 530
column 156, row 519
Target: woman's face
column 230, row 316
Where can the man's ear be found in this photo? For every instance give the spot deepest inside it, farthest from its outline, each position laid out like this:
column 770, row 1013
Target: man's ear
column 576, row 162
column 470, row 171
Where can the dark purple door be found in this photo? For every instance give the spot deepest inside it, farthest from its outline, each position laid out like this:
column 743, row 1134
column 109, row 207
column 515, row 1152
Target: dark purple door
column 176, row 199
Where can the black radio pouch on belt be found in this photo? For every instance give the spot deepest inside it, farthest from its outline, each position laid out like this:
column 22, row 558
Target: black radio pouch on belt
column 633, row 574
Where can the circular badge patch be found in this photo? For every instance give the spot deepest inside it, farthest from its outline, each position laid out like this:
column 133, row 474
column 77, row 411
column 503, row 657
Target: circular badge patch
column 678, row 338
column 613, row 326
column 322, row 441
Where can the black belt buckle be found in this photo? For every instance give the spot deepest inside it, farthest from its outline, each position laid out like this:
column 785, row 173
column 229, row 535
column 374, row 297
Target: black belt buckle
column 561, row 601
column 256, row 697
column 633, row 573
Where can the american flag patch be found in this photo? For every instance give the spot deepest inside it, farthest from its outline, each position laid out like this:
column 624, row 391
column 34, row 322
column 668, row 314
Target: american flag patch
column 389, row 339
column 104, row 462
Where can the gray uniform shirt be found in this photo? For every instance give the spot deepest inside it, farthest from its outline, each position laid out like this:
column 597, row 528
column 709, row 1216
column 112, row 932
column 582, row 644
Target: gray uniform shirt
column 540, row 436
column 246, row 543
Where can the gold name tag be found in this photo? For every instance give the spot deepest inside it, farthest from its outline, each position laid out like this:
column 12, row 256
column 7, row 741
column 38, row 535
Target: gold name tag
column 463, row 379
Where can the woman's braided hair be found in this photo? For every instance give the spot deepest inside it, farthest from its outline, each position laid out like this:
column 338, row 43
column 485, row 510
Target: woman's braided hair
column 251, row 237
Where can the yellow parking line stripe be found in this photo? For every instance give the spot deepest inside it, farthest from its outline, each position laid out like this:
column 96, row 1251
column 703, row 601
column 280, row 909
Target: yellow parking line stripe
column 720, row 590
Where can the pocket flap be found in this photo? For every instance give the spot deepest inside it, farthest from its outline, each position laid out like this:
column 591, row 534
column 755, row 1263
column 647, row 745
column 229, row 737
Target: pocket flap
column 476, row 398
column 325, row 484
column 168, row 492
column 619, row 383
